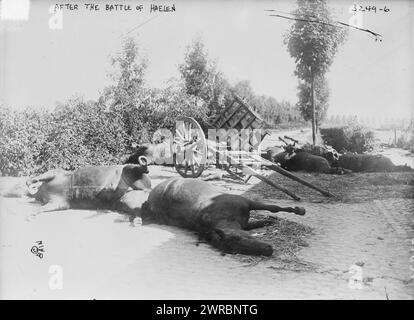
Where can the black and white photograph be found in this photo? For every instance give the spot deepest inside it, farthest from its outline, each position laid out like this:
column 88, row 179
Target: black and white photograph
column 206, row 150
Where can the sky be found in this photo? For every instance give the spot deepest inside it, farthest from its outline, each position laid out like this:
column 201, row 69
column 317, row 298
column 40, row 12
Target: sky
column 43, row 62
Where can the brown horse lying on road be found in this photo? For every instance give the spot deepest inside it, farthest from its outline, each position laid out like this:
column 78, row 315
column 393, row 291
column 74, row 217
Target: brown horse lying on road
column 219, row 218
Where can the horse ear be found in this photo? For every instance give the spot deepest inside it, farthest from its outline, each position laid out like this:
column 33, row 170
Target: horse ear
column 143, row 160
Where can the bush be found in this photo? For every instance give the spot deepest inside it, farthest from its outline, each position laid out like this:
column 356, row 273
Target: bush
column 173, row 102
column 406, row 141
column 21, row 140
column 79, row 133
column 75, row 134
column 352, row 138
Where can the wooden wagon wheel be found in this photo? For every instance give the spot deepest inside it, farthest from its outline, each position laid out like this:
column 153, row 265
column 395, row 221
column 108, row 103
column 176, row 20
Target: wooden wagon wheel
column 189, row 148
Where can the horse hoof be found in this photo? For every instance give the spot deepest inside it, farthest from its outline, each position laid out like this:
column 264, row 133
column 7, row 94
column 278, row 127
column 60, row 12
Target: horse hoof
column 300, row 211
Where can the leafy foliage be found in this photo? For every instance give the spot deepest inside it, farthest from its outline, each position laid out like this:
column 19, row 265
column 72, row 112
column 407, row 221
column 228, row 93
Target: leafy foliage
column 406, row 140
column 321, row 97
column 312, row 42
column 127, row 96
column 271, row 110
column 79, row 133
column 163, row 106
column 21, row 139
column 203, row 80
column 352, row 138
column 313, row 45
column 75, row 134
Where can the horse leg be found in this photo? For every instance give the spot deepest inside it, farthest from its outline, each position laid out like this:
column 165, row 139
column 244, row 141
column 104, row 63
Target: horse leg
column 231, row 240
column 258, row 205
column 51, row 206
column 258, row 224
column 131, row 204
column 44, row 177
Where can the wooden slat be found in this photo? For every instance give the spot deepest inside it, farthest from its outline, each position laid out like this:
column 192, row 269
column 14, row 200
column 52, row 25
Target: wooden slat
column 250, row 123
column 214, row 123
column 241, row 118
column 233, row 120
column 229, row 117
column 246, row 105
column 219, row 122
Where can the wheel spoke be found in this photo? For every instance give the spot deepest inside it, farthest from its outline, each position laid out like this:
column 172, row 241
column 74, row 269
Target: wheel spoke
column 179, row 134
column 190, row 148
column 179, row 142
column 196, row 160
column 200, row 144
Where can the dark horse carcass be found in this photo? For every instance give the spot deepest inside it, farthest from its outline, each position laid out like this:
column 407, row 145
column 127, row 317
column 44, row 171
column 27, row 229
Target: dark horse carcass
column 369, row 163
column 304, row 161
column 219, row 218
column 308, row 158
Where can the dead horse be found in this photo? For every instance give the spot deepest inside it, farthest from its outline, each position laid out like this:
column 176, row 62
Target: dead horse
column 219, row 218
column 117, row 187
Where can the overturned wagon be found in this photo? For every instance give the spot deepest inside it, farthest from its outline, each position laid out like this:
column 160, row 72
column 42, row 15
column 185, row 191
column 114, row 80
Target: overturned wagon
column 191, row 149
column 233, row 146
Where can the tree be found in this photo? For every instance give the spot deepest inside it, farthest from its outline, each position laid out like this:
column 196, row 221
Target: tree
column 127, row 96
column 196, row 70
column 321, row 97
column 202, row 79
column 271, row 110
column 244, row 90
column 313, row 41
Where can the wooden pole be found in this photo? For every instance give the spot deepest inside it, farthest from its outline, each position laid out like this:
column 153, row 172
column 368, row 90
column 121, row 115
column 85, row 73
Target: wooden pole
column 251, row 172
column 274, row 185
column 293, row 177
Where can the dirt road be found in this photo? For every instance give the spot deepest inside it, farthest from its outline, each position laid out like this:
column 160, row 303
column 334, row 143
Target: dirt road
column 97, row 257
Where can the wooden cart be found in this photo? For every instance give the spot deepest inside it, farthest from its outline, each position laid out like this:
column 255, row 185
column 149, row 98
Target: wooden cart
column 192, row 151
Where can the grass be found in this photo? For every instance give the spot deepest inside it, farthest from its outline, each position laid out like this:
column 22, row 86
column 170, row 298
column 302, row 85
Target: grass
column 349, row 188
